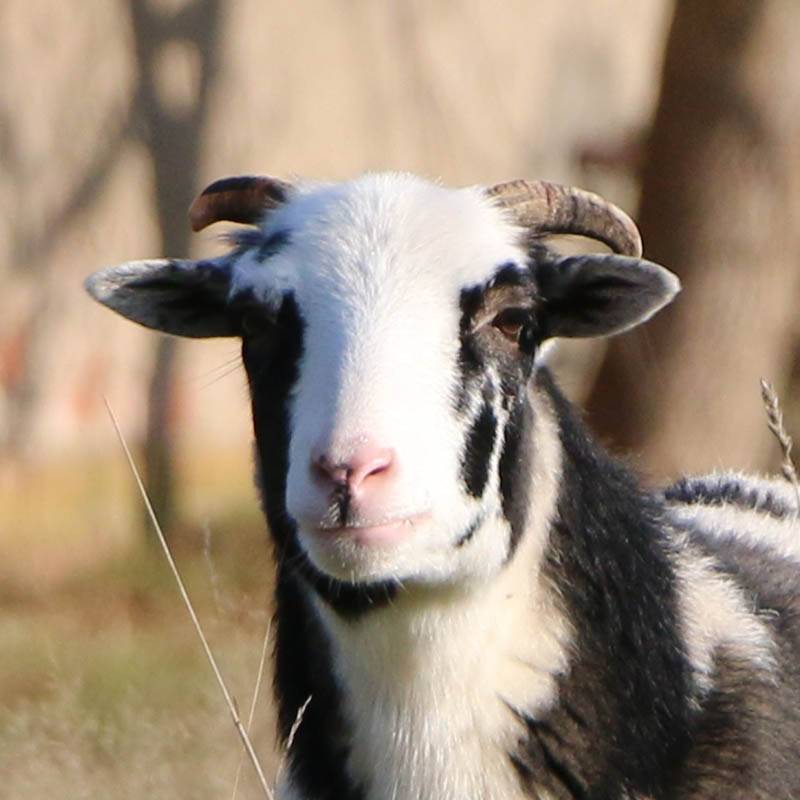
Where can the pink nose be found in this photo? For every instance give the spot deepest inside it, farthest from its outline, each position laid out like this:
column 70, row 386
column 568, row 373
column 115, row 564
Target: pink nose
column 361, row 471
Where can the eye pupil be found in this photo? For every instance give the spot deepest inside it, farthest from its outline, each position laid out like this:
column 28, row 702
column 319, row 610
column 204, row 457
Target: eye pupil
column 510, row 330
column 510, row 323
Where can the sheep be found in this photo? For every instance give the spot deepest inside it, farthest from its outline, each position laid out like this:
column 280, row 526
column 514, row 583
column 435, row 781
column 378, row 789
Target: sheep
column 473, row 598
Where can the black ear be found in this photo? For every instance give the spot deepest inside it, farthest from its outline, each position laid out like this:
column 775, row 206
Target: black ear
column 184, row 298
column 600, row 295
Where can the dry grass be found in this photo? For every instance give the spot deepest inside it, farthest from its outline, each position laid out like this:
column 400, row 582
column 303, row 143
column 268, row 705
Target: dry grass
column 104, row 691
column 229, row 702
column 114, row 698
column 775, row 423
column 64, row 745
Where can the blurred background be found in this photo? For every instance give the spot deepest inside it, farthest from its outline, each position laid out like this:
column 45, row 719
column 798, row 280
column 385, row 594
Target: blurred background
column 114, row 113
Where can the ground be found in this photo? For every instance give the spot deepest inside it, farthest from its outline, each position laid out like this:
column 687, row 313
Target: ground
column 104, row 688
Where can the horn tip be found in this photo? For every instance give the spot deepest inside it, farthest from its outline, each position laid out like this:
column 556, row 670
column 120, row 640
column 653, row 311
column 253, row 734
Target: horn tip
column 198, row 214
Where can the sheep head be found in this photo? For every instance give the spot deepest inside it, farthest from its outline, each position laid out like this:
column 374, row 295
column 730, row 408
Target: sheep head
column 390, row 328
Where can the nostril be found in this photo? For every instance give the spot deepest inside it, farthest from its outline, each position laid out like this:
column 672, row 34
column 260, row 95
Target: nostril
column 370, row 465
column 328, row 471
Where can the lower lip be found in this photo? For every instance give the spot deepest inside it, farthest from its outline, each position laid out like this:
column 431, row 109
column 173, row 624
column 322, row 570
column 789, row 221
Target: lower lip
column 389, row 533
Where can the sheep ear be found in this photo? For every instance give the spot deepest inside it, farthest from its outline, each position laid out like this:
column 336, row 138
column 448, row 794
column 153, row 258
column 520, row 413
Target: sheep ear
column 600, row 295
column 184, row 298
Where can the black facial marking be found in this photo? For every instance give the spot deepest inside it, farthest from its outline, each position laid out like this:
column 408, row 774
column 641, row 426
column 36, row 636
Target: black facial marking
column 471, row 530
column 244, row 239
column 509, row 274
column 470, row 302
column 342, row 500
column 258, row 323
column 509, row 292
column 515, row 467
column 478, row 450
column 469, row 359
column 349, row 600
column 272, row 245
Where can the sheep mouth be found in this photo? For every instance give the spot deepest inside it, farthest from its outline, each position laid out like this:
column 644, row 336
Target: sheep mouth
column 369, row 533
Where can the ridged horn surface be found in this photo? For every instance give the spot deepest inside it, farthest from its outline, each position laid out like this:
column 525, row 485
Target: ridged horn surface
column 543, row 207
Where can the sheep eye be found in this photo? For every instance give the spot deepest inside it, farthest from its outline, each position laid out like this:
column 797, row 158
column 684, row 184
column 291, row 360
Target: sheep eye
column 511, row 322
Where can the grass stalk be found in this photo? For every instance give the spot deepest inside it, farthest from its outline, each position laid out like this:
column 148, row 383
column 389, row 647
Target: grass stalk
column 248, row 745
column 298, row 721
column 253, row 703
column 775, row 424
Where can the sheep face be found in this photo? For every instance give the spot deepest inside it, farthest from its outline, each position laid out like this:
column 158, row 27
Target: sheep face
column 403, row 378
column 390, row 328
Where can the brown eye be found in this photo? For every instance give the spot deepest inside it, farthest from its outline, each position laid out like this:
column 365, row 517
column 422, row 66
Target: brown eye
column 510, row 322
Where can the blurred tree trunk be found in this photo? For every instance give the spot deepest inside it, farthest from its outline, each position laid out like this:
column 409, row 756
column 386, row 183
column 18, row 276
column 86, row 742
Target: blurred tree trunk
column 721, row 207
column 23, row 362
column 176, row 56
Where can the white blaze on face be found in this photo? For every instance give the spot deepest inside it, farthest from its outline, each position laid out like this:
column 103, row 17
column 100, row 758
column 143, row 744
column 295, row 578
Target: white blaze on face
column 376, row 268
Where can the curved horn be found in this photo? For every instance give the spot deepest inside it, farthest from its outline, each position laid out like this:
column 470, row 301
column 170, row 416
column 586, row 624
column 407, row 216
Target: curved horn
column 544, row 207
column 241, row 199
